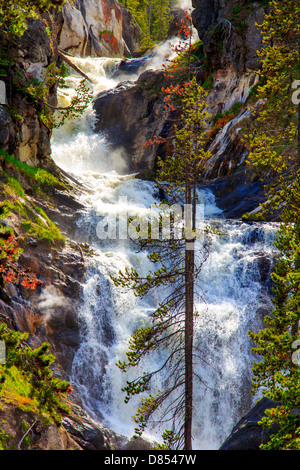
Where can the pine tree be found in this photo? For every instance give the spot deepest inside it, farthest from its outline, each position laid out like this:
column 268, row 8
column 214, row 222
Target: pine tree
column 170, row 328
column 278, row 374
column 152, row 17
column 277, row 130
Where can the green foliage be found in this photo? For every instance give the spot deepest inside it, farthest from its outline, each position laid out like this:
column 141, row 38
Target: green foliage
column 38, row 224
column 33, row 219
column 278, row 374
column 15, row 13
column 257, row 217
column 79, row 102
column 273, row 144
column 4, row 440
column 39, row 176
column 14, row 16
column 169, row 441
column 152, row 17
column 27, row 374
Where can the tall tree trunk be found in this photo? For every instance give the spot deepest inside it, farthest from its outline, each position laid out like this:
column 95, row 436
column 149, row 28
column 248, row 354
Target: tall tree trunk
column 189, row 325
column 150, row 18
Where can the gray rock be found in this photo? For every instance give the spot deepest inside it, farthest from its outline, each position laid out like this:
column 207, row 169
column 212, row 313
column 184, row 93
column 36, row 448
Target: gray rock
column 248, row 434
column 98, row 29
column 130, row 115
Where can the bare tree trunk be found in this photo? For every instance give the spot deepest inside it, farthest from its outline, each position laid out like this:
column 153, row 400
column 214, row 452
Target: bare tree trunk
column 189, row 327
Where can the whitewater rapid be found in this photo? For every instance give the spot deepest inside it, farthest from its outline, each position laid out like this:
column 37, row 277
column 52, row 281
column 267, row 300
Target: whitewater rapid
column 233, row 285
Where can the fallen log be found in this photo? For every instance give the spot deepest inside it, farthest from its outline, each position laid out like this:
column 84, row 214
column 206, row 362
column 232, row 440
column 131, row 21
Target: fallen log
column 75, row 67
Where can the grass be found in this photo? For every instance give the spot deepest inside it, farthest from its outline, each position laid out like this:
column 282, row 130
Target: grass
column 18, row 390
column 39, row 175
column 33, row 220
column 14, row 185
column 41, row 227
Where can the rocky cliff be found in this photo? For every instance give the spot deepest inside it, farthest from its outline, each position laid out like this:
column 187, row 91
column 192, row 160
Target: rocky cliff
column 22, row 132
column 98, row 29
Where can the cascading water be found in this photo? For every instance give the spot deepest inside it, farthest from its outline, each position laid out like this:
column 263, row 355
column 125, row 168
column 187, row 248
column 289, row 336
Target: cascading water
column 233, row 285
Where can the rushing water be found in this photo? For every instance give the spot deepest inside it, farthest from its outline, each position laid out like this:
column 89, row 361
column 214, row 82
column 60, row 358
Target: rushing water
column 233, row 285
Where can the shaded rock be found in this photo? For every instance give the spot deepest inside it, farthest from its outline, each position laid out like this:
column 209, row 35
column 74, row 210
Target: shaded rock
column 89, row 434
column 139, row 110
column 225, row 43
column 205, row 13
column 131, row 31
column 7, row 131
column 247, row 434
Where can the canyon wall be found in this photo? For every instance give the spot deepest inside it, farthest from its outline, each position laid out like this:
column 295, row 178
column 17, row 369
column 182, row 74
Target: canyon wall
column 98, row 29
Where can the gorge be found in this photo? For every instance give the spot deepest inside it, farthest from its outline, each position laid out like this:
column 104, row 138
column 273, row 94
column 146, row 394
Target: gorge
column 101, row 158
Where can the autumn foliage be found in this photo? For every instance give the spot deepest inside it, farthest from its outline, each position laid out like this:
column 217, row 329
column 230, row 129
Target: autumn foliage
column 10, row 272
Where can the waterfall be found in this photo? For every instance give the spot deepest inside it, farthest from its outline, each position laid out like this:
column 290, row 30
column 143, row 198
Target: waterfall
column 233, row 285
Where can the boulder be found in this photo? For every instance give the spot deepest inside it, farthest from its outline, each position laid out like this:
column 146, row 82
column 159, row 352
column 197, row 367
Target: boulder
column 130, row 115
column 248, row 434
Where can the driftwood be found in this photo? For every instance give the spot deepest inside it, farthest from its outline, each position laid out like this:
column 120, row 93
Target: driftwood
column 71, row 64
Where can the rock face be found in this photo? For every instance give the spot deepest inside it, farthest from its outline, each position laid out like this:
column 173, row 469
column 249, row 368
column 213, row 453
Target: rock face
column 98, row 28
column 40, row 436
column 91, row 27
column 22, row 133
column 139, row 110
column 248, row 434
column 49, row 313
column 229, row 40
column 205, row 13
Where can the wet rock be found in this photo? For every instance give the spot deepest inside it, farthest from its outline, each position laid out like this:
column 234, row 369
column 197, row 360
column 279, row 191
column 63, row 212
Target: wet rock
column 88, row 433
column 248, row 434
column 140, row 117
column 138, row 443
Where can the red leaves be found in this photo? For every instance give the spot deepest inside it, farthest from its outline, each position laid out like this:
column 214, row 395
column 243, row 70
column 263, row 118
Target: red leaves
column 11, row 273
column 157, row 140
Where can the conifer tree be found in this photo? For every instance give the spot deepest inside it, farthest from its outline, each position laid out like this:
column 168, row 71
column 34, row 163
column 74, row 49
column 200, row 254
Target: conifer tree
column 275, row 145
column 278, row 374
column 170, row 328
column 152, row 17
column 277, row 130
